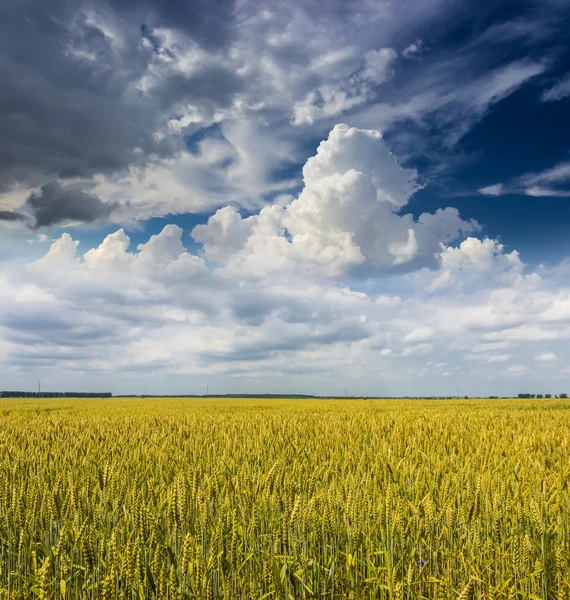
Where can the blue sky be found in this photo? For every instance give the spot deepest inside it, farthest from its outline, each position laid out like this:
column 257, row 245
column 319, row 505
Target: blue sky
column 279, row 197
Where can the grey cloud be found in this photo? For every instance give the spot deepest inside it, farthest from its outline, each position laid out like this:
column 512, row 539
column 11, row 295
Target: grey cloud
column 208, row 22
column 54, row 331
column 61, row 116
column 70, row 105
column 8, row 215
column 270, row 345
column 254, row 305
column 56, row 204
column 215, row 86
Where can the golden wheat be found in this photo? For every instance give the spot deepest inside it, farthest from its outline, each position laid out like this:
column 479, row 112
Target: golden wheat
column 178, row 498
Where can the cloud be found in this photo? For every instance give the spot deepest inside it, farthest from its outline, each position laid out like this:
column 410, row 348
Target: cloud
column 423, row 334
column 493, row 190
column 546, row 357
column 162, row 312
column 127, row 96
column 535, row 184
column 313, row 266
column 211, row 23
column 540, row 192
column 143, row 105
column 417, row 350
column 225, row 234
column 348, row 80
column 488, row 358
column 56, row 204
column 442, row 281
column 516, row 370
column 161, row 289
column 343, row 221
column 8, row 215
column 69, row 105
column 413, row 50
column 560, row 90
column 475, row 263
column 454, row 92
column 557, row 174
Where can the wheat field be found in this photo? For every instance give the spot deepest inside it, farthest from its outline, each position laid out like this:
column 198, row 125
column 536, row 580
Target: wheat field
column 216, row 498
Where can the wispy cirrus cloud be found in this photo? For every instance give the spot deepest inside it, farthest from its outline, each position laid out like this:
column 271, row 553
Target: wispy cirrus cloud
column 552, row 182
column 559, row 91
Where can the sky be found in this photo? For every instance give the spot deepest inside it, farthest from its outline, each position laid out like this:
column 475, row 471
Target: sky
column 285, row 197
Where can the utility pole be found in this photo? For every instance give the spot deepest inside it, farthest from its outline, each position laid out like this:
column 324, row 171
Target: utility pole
column 207, row 390
column 458, row 393
column 39, row 390
column 345, row 393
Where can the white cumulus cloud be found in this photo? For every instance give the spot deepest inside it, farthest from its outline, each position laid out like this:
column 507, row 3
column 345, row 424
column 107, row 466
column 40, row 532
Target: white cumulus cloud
column 343, row 221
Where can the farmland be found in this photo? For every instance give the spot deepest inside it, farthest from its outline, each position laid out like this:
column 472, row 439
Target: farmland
column 231, row 498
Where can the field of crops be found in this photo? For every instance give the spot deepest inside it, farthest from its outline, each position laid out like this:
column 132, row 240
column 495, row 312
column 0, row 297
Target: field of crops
column 212, row 498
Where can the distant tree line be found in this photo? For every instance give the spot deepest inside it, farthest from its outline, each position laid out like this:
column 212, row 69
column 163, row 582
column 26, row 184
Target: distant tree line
column 20, row 394
column 224, row 396
column 8, row 394
column 542, row 396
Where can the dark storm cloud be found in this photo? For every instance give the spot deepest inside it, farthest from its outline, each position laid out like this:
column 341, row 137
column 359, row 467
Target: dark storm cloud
column 60, row 116
column 55, row 204
column 8, row 215
column 70, row 105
